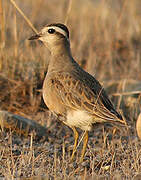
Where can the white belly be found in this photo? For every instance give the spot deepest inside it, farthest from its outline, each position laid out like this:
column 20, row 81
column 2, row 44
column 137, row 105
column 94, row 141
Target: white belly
column 80, row 119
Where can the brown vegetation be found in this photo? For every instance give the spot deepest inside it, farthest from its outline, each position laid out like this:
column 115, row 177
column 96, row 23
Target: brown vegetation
column 106, row 41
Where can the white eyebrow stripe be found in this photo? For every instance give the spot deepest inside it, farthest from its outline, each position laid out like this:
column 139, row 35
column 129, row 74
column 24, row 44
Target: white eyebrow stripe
column 58, row 29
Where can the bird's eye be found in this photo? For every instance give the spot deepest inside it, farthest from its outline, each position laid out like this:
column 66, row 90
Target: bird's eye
column 51, row 31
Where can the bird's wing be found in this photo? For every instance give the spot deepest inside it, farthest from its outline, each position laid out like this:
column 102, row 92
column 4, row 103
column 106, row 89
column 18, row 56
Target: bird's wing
column 76, row 94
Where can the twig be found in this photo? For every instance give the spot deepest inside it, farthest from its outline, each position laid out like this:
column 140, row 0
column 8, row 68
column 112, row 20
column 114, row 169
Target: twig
column 68, row 11
column 2, row 44
column 80, row 140
column 15, row 34
column 127, row 93
column 121, row 14
column 23, row 15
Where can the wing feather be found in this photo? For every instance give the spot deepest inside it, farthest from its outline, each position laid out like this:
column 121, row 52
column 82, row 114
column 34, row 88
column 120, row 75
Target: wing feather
column 79, row 94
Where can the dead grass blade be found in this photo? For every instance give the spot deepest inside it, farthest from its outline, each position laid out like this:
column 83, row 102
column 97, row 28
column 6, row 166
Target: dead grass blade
column 2, row 44
column 68, row 11
column 126, row 93
column 24, row 16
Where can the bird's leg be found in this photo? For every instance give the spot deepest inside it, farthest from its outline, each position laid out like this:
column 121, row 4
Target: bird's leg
column 85, row 142
column 75, row 142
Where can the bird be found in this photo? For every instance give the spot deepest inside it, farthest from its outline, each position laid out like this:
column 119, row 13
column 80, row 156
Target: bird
column 71, row 93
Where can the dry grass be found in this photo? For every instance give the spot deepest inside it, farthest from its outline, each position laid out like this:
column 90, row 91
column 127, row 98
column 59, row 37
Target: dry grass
column 106, row 41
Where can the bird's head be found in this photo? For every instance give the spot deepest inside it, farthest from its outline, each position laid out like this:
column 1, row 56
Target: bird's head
column 52, row 35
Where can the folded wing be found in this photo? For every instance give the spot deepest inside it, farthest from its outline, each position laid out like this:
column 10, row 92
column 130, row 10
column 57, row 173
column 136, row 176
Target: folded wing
column 79, row 94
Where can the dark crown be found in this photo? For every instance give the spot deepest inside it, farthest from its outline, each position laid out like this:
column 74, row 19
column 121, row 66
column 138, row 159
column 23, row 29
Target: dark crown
column 62, row 26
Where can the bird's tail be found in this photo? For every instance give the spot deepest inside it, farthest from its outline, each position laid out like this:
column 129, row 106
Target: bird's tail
column 109, row 116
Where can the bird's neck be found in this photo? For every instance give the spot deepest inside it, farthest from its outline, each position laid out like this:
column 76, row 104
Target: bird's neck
column 61, row 47
column 61, row 58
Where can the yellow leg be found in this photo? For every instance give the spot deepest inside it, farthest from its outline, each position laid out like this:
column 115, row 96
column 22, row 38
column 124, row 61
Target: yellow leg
column 75, row 142
column 85, row 142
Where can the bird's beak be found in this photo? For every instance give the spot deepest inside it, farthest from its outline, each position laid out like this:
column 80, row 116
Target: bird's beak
column 37, row 36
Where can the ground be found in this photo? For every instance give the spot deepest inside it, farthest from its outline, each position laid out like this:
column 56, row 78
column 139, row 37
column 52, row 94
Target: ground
column 105, row 40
